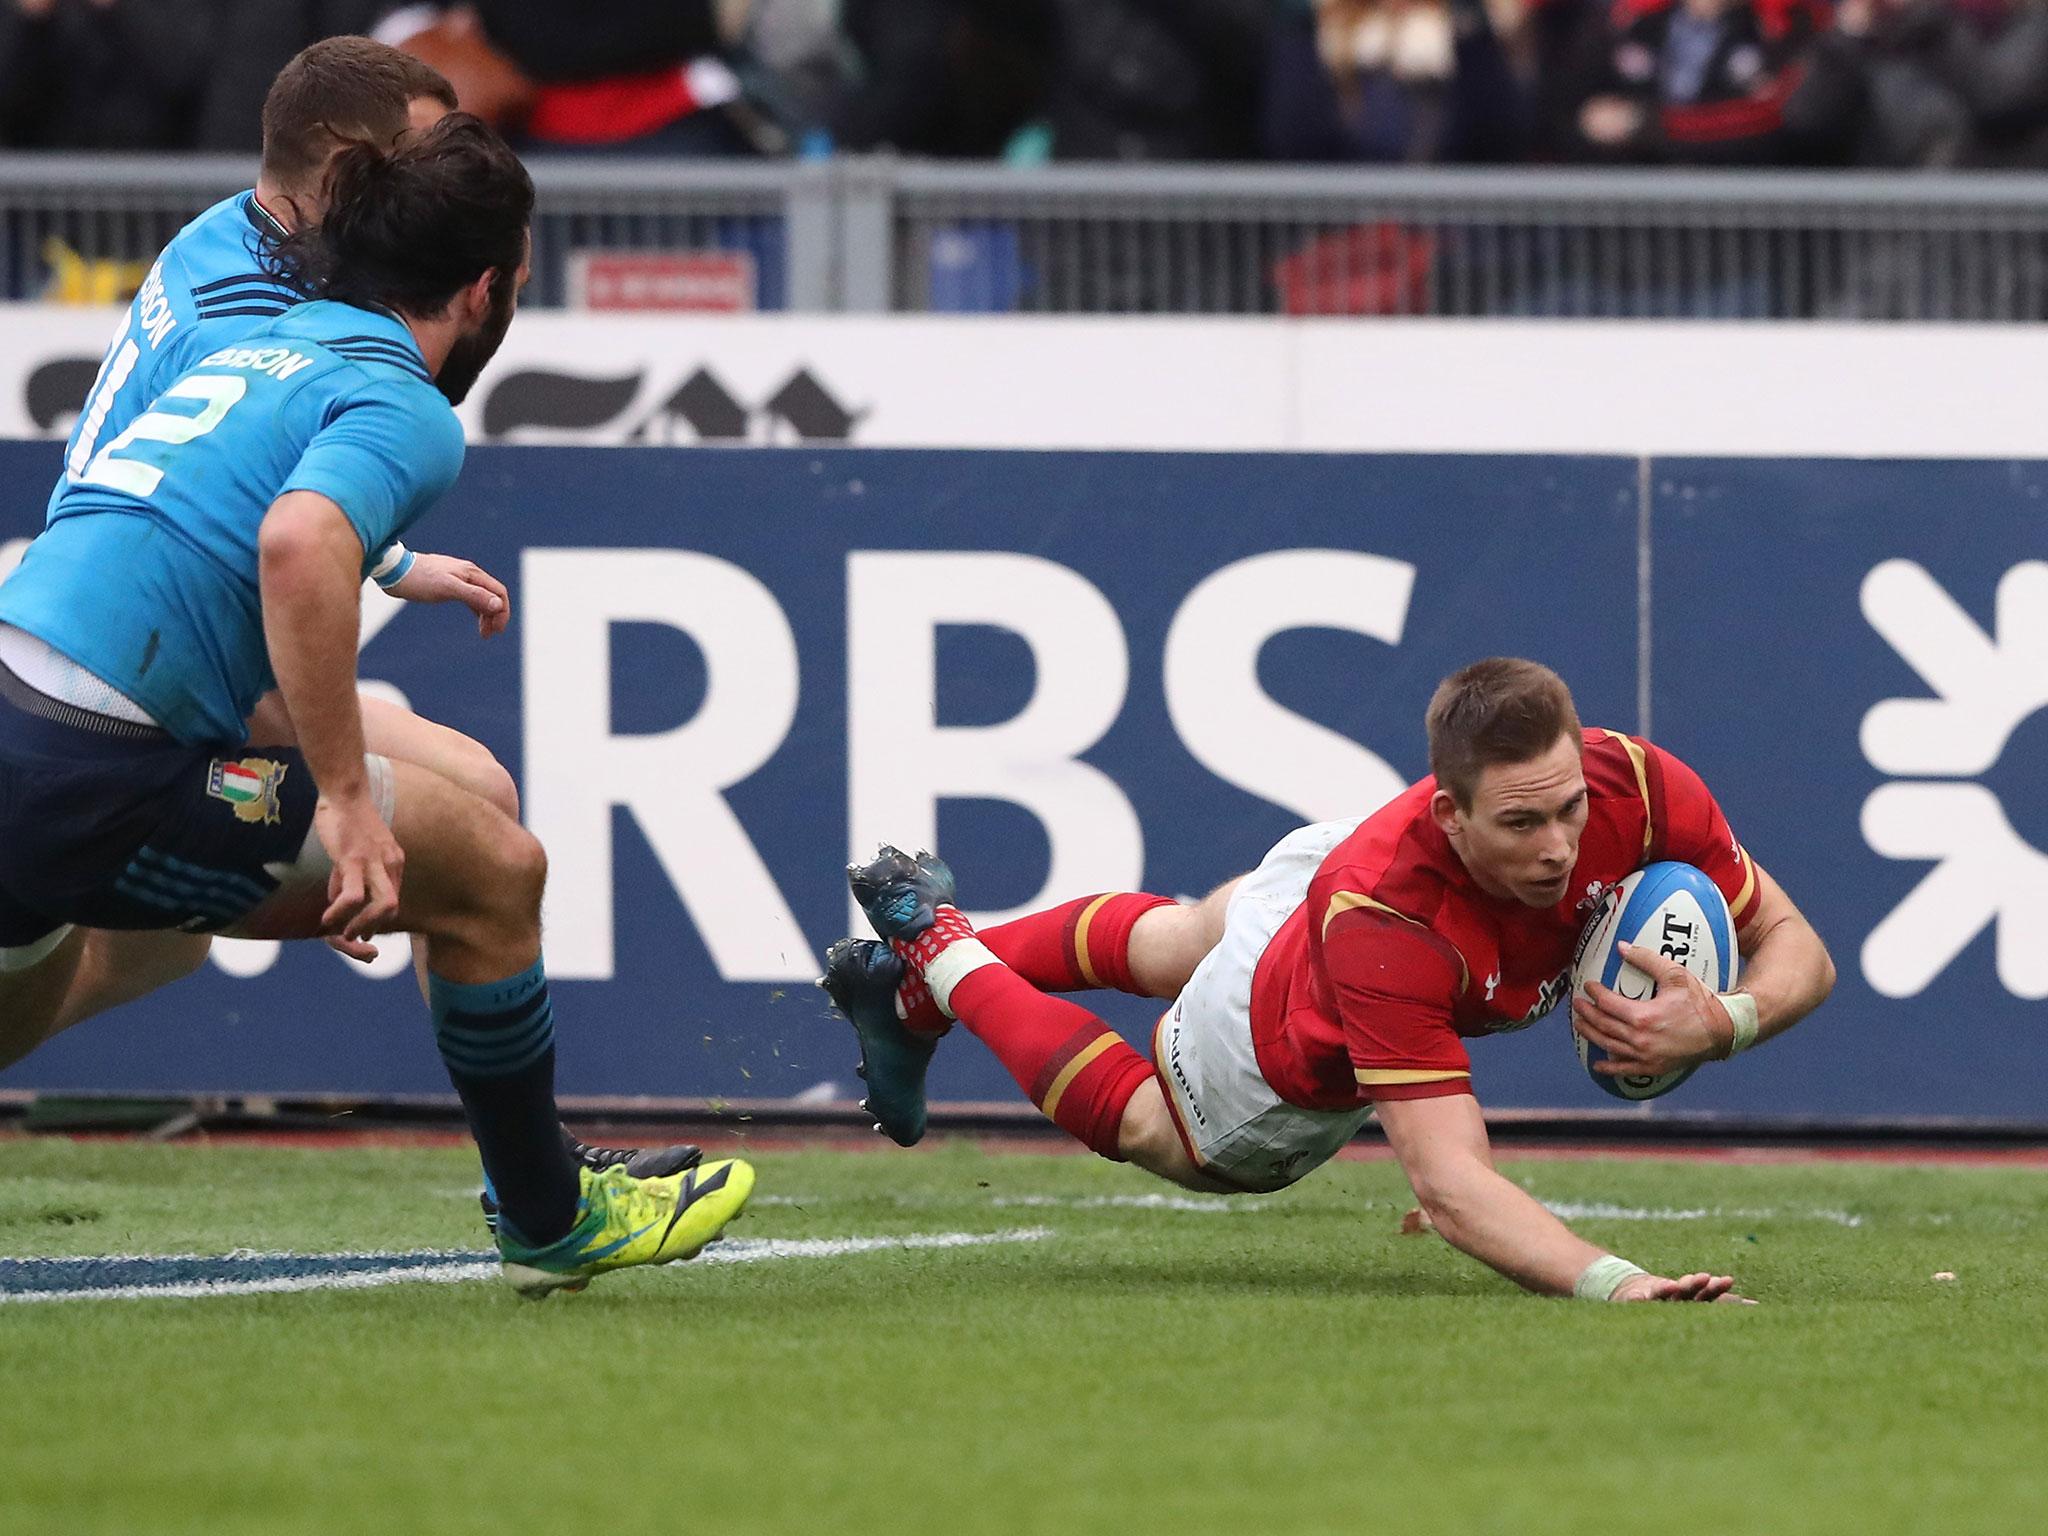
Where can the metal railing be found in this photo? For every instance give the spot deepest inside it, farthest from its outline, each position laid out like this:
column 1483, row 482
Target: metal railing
column 879, row 234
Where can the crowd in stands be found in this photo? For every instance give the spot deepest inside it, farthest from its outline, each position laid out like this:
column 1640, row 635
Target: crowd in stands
column 1876, row 83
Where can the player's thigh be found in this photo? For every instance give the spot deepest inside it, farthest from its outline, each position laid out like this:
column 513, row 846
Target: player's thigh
column 1148, row 1140
column 118, row 967
column 394, row 732
column 1167, row 943
column 405, row 737
column 466, row 864
column 32, row 996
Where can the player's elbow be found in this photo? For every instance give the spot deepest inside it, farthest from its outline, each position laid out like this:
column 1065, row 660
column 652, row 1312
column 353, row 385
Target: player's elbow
column 282, row 542
column 1819, row 963
column 1448, row 1198
column 288, row 550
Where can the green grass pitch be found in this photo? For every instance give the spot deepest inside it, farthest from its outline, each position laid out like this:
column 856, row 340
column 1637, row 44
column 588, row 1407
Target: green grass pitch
column 1289, row 1365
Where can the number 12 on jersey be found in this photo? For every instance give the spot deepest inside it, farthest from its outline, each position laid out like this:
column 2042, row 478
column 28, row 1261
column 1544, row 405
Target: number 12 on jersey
column 217, row 394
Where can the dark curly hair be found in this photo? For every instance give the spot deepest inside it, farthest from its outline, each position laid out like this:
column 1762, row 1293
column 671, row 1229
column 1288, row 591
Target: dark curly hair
column 411, row 227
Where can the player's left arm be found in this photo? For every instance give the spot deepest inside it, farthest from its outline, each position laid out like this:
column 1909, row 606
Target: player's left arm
column 1786, row 971
column 1786, row 974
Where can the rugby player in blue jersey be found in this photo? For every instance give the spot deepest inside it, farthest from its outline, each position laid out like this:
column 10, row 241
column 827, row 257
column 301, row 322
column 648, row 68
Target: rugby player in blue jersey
column 214, row 551
column 211, row 286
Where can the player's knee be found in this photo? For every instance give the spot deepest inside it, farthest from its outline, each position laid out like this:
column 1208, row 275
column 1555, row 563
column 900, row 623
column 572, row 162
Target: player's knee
column 525, row 869
column 1146, row 1137
column 499, row 788
column 1166, row 945
column 479, row 771
column 1144, row 1142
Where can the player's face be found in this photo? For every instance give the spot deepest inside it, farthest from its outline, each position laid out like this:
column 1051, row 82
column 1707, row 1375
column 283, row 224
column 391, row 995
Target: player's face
column 475, row 348
column 1521, row 837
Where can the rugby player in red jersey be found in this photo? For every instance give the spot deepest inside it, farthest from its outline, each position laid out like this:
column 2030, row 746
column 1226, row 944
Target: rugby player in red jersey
column 1343, row 976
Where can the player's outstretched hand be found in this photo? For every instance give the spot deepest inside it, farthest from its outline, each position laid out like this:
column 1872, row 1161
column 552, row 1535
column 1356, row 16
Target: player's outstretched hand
column 1682, row 1026
column 445, row 579
column 362, row 892
column 1700, row 1287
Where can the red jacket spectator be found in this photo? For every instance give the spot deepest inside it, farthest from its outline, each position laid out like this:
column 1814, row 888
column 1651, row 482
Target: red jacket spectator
column 1711, row 82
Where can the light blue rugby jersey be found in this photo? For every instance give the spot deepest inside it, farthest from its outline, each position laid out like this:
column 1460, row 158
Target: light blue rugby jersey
column 147, row 573
column 205, row 291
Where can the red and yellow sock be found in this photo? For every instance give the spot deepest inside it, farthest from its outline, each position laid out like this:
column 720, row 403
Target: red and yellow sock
column 1075, row 1068
column 1080, row 946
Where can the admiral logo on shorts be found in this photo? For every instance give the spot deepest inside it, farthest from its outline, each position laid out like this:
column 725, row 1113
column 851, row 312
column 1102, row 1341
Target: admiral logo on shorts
column 249, row 787
column 1180, row 1073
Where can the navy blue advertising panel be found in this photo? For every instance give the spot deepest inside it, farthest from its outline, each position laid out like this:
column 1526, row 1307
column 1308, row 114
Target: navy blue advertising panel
column 1855, row 657
column 1076, row 672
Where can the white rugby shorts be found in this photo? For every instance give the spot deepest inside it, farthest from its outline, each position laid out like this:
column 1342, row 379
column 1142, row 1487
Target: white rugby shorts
column 1232, row 1122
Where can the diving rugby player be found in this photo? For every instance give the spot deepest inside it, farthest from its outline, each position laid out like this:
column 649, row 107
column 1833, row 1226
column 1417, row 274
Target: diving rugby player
column 1343, row 976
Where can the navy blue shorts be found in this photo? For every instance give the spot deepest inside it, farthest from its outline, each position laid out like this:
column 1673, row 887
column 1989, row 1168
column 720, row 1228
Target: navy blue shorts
column 107, row 824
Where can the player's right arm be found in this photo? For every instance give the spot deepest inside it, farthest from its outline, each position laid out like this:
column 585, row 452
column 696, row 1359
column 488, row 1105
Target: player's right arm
column 1395, row 985
column 384, row 455
column 310, row 564
column 1442, row 1146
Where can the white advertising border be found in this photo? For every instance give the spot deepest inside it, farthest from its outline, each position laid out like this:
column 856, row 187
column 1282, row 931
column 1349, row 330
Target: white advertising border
column 1246, row 384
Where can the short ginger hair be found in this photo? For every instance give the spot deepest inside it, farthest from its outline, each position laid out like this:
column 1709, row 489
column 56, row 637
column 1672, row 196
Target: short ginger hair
column 344, row 90
column 1500, row 710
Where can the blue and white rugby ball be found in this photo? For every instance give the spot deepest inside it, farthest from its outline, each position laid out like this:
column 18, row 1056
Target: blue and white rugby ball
column 1673, row 909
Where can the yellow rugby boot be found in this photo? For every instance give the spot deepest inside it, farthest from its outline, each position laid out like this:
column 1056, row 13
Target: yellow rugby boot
column 622, row 1221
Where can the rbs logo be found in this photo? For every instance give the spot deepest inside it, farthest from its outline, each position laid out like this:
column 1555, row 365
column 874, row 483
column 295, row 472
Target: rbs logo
column 1984, row 686
column 900, row 761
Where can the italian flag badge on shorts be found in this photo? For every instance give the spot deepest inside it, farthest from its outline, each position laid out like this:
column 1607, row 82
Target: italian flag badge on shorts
column 249, row 787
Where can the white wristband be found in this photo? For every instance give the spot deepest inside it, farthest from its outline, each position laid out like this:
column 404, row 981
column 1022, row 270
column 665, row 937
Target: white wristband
column 1603, row 1277
column 1742, row 1014
column 397, row 561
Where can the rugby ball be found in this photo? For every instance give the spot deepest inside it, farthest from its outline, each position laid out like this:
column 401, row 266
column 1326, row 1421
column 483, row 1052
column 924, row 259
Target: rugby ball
column 1673, row 909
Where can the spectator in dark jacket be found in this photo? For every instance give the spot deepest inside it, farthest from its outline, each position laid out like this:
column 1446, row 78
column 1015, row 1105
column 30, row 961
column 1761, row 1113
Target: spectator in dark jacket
column 947, row 78
column 638, row 75
column 103, row 74
column 1711, row 82
column 1423, row 81
column 1161, row 79
column 1943, row 86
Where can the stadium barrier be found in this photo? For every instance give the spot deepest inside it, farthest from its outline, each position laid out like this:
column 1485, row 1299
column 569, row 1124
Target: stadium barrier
column 1087, row 671
column 867, row 235
column 1210, row 383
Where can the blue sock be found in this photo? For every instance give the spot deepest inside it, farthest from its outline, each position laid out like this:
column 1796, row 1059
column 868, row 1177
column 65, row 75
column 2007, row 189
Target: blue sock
column 497, row 1040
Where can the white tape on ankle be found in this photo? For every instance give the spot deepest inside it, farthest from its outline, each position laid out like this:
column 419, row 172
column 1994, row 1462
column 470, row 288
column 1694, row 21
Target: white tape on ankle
column 959, row 959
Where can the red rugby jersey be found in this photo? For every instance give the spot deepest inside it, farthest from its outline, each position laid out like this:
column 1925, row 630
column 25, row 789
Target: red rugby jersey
column 1396, row 956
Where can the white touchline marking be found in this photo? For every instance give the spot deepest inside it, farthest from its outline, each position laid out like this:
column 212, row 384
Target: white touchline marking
column 466, row 1267
column 1207, row 1205
column 1600, row 1210
column 751, row 1250
column 438, row 1274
